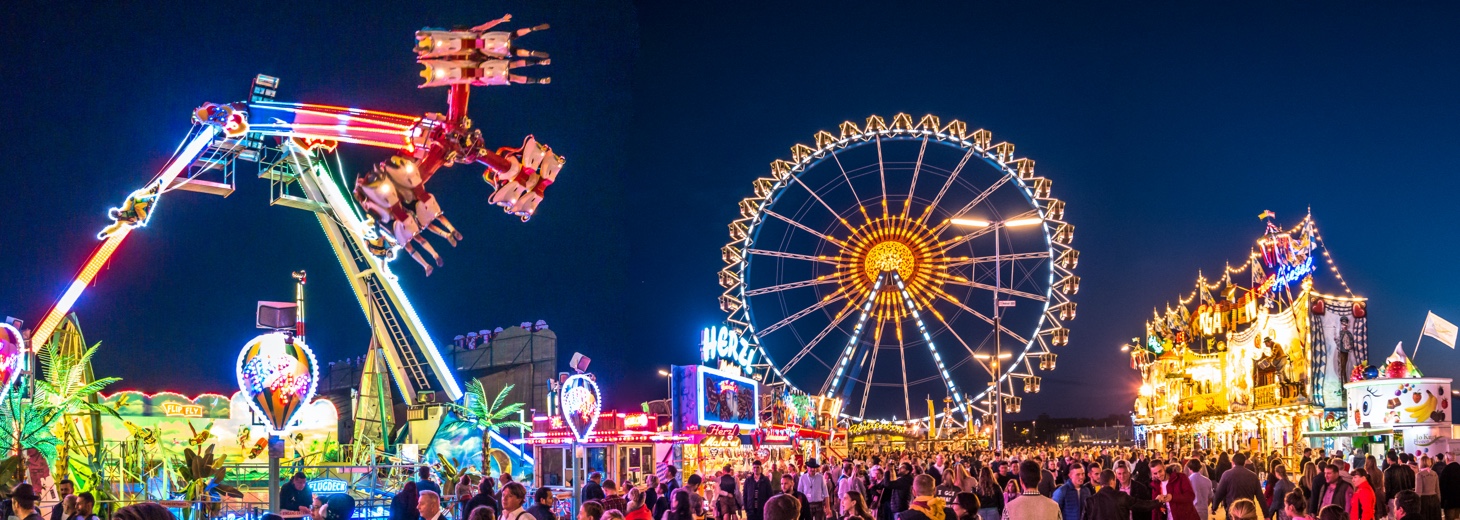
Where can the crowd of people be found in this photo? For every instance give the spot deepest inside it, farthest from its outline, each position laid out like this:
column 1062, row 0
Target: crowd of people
column 1047, row 484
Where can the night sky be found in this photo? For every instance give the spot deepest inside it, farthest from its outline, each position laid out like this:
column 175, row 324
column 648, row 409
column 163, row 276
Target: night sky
column 1166, row 127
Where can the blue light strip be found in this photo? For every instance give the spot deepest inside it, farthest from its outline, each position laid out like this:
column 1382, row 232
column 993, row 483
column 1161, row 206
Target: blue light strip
column 856, row 336
column 923, row 329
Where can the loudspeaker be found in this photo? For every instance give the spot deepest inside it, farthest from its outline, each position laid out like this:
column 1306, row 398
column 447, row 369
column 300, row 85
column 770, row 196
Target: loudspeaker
column 277, row 315
column 579, row 362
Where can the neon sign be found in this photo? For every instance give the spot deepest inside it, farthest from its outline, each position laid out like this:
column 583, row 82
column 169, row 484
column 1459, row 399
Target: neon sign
column 580, row 404
column 1288, row 274
column 182, row 410
column 636, row 420
column 12, row 344
column 720, row 430
column 328, row 485
column 278, row 375
column 723, row 344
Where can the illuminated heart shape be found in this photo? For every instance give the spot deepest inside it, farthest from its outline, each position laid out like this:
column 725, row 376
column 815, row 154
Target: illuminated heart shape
column 579, row 402
column 10, row 351
column 278, row 375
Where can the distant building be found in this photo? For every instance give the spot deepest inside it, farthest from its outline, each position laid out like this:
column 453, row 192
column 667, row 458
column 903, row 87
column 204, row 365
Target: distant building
column 1115, row 430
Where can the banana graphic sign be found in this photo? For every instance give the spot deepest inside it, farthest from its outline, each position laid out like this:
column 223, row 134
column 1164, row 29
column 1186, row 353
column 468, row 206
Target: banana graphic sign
column 1380, row 403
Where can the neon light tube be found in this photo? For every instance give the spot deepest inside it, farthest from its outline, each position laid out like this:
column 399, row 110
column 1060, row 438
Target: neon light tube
column 104, row 252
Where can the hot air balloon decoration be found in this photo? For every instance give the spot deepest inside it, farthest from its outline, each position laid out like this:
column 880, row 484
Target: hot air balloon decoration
column 12, row 346
column 278, row 374
column 580, row 404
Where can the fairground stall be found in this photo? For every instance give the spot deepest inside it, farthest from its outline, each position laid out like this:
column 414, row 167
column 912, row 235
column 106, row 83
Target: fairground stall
column 1255, row 359
column 577, row 438
column 1394, row 406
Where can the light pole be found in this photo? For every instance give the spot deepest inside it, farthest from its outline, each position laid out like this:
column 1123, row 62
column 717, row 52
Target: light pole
column 998, row 307
column 998, row 396
column 668, row 384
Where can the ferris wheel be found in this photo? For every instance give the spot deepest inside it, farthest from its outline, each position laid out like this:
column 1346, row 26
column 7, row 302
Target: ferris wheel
column 874, row 269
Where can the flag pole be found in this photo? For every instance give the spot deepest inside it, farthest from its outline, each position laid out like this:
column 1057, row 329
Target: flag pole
column 1421, row 337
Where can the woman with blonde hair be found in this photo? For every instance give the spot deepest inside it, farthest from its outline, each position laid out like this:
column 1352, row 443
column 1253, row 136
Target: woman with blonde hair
column 1308, row 479
column 1244, row 509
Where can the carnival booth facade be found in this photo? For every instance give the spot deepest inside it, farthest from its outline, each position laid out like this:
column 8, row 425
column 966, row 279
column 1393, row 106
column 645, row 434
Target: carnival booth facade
column 1252, row 367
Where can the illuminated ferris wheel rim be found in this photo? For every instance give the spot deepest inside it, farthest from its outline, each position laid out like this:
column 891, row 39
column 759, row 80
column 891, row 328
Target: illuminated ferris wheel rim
column 1057, row 237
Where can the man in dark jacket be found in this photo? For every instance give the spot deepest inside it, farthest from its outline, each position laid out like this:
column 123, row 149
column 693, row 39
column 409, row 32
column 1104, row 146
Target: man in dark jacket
column 593, row 490
column 1334, row 490
column 1397, row 477
column 1110, row 503
column 1450, row 490
column 1238, row 483
column 788, row 487
column 754, row 492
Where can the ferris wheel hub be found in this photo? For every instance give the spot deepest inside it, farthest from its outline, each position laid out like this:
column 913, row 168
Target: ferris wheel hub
column 892, row 243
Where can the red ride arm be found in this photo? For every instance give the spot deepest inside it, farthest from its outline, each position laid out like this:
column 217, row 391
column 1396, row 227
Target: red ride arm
column 456, row 101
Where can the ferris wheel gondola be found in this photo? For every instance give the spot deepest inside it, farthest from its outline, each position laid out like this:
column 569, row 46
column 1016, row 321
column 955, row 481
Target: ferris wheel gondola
column 892, row 244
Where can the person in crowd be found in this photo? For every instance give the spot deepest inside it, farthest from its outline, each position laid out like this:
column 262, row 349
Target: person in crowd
column 755, row 491
column 1110, row 503
column 696, row 494
column 64, row 488
column 542, row 503
column 294, row 495
column 1332, row 513
column 854, row 507
column 965, row 506
column 1278, row 488
column 424, row 482
column 948, row 488
column 665, row 500
column 1201, row 487
column 1361, row 503
column 727, row 502
column 485, row 496
column 1180, row 496
column 1140, row 489
column 637, row 509
column 780, row 507
column 1295, row 505
column 1030, row 504
column 990, row 498
column 1450, row 491
column 925, row 504
column 612, row 514
column 788, row 487
column 1333, row 490
column 1308, row 479
column 1242, row 508
column 1376, row 481
column 813, row 485
column 429, row 506
column 590, row 510
column 85, row 507
column 891, row 493
column 1237, row 483
column 611, row 497
column 138, row 511
column 1223, row 464
column 1406, row 503
column 1073, row 493
column 464, row 491
column 514, row 498
column 1397, row 477
column 1427, row 486
column 403, row 504
column 593, row 489
column 482, row 513
column 1046, row 478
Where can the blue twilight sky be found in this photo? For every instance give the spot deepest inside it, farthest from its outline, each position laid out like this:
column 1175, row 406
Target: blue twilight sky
column 1166, row 126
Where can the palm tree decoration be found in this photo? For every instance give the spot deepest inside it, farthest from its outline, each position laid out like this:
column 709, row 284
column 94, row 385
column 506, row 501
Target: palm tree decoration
column 202, row 477
column 489, row 415
column 31, row 423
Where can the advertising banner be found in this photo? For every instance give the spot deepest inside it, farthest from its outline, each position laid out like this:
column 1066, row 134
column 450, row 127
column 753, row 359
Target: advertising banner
column 1341, row 342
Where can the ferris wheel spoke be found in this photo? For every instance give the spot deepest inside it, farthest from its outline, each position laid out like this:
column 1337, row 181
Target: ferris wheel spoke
column 882, row 175
column 848, row 178
column 792, row 256
column 841, row 316
column 929, row 210
column 902, row 354
column 801, row 226
column 912, row 188
column 800, row 314
column 818, row 198
column 872, row 369
column 946, row 225
column 1001, row 290
column 791, row 285
column 984, row 194
column 986, row 259
column 986, row 319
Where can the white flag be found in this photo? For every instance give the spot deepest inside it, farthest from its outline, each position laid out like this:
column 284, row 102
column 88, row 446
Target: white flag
column 1436, row 327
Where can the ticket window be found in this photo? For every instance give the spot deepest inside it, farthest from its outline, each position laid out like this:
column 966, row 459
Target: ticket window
column 634, row 465
column 552, row 467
